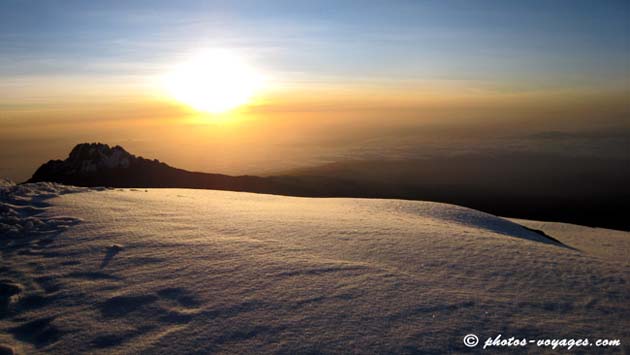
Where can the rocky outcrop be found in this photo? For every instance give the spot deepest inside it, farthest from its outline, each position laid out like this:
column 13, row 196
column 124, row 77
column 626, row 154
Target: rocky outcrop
column 97, row 164
column 89, row 160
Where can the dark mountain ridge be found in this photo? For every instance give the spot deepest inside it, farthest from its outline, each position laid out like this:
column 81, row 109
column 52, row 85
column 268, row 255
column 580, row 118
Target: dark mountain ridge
column 97, row 164
column 587, row 192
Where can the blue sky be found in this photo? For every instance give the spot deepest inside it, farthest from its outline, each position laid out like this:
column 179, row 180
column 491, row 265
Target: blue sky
column 526, row 44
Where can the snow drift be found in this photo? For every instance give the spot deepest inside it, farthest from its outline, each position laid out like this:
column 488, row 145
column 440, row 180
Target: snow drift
column 197, row 271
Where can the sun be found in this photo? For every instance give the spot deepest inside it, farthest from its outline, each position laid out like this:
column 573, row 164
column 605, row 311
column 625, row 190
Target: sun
column 214, row 81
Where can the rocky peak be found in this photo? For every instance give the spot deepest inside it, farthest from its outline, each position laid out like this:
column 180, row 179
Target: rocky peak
column 92, row 164
column 91, row 157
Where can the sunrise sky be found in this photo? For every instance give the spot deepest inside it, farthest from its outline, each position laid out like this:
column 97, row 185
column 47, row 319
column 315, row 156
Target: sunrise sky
column 335, row 79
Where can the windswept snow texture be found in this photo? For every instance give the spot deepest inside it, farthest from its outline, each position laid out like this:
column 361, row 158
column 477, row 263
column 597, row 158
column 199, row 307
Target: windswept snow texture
column 196, row 271
column 20, row 206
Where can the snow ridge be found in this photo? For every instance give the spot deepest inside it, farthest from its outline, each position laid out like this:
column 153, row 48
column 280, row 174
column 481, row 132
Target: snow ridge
column 203, row 271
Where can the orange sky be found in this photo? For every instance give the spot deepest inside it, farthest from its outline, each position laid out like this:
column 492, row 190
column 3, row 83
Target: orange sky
column 337, row 78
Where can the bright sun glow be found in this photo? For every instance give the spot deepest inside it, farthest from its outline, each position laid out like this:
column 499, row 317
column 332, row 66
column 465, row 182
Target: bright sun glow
column 214, row 81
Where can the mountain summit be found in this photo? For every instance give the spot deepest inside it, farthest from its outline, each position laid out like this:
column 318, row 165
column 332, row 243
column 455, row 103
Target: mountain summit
column 89, row 162
column 95, row 156
column 97, row 164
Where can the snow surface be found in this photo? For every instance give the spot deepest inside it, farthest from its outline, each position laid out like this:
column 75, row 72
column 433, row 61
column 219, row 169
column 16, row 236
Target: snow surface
column 198, row 271
column 604, row 243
